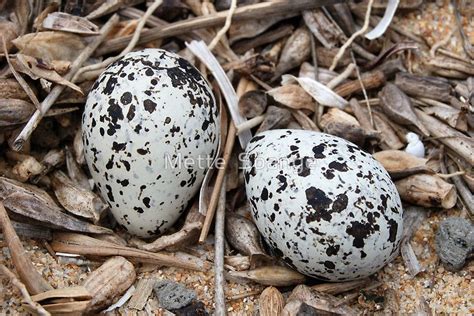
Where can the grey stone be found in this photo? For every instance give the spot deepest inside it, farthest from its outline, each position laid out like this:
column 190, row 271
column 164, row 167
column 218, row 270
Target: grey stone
column 172, row 295
column 454, row 242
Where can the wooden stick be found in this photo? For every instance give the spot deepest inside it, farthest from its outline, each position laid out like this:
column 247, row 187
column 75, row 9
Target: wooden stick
column 229, row 145
column 341, row 77
column 219, row 255
column 259, row 10
column 56, row 91
column 462, row 189
column 26, row 270
column 26, row 296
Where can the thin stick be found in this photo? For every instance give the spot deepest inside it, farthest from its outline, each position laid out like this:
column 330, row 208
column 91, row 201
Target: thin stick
column 364, row 28
column 253, row 122
column 450, row 175
column 229, row 145
column 19, row 78
column 223, row 30
column 341, row 77
column 56, row 91
column 24, row 292
column 130, row 46
column 253, row 11
column 441, row 43
column 26, row 270
column 219, row 255
column 462, row 189
column 359, row 77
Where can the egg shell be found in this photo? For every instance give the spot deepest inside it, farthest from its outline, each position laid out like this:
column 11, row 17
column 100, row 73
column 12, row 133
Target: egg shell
column 150, row 127
column 328, row 208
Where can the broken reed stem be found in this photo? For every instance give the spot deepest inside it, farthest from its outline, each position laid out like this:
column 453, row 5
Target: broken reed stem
column 219, row 254
column 130, row 46
column 37, row 308
column 450, row 175
column 364, row 28
column 225, row 28
column 253, row 122
column 33, row 281
column 341, row 77
column 441, row 43
column 56, row 91
column 229, row 145
column 19, row 78
column 253, row 11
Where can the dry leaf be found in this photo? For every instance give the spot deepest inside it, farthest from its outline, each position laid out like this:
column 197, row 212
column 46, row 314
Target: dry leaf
column 401, row 164
column 49, row 46
column 37, row 69
column 293, row 96
column 322, row 94
column 60, row 21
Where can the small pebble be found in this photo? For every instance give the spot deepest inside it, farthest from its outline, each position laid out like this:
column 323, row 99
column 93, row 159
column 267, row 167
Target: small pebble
column 454, row 242
column 172, row 295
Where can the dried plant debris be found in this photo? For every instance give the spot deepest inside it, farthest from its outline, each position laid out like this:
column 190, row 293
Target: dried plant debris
column 389, row 76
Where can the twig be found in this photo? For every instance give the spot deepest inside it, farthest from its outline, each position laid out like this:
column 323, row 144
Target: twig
column 253, row 122
column 24, row 292
column 229, row 145
column 225, row 28
column 56, row 91
column 462, row 189
column 219, row 255
column 19, row 78
column 364, row 28
column 341, row 77
column 450, row 175
column 130, row 46
column 259, row 10
column 29, row 276
column 359, row 77
column 441, row 43
column 244, row 295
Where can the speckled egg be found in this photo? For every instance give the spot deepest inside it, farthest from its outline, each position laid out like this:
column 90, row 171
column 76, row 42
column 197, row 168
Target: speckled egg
column 150, row 127
column 325, row 206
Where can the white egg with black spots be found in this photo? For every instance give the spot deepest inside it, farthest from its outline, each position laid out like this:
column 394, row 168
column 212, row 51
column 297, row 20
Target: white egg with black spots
column 150, row 126
column 326, row 207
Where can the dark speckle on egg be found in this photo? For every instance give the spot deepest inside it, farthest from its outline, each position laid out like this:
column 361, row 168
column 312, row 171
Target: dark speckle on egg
column 327, row 208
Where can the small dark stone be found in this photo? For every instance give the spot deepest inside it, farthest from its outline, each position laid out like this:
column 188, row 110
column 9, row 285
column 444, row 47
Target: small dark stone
column 307, row 310
column 196, row 308
column 172, row 295
column 455, row 242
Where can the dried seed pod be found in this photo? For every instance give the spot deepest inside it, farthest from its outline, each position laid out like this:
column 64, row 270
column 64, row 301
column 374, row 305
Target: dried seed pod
column 252, row 28
column 77, row 200
column 293, row 96
column 244, row 236
column 26, row 167
column 74, row 171
column 238, row 263
column 14, row 111
column 427, row 190
column 109, row 281
column 271, row 302
column 325, row 56
column 60, row 21
column 253, row 103
column 78, row 147
column 269, row 275
column 398, row 107
column 339, row 123
column 275, row 117
column 401, row 164
column 322, row 27
column 296, row 50
column 320, row 301
column 389, row 138
column 436, row 88
column 52, row 159
column 11, row 89
column 8, row 32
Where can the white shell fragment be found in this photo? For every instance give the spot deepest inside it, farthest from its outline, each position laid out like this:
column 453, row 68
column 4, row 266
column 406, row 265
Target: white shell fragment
column 328, row 208
column 415, row 146
column 150, row 131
